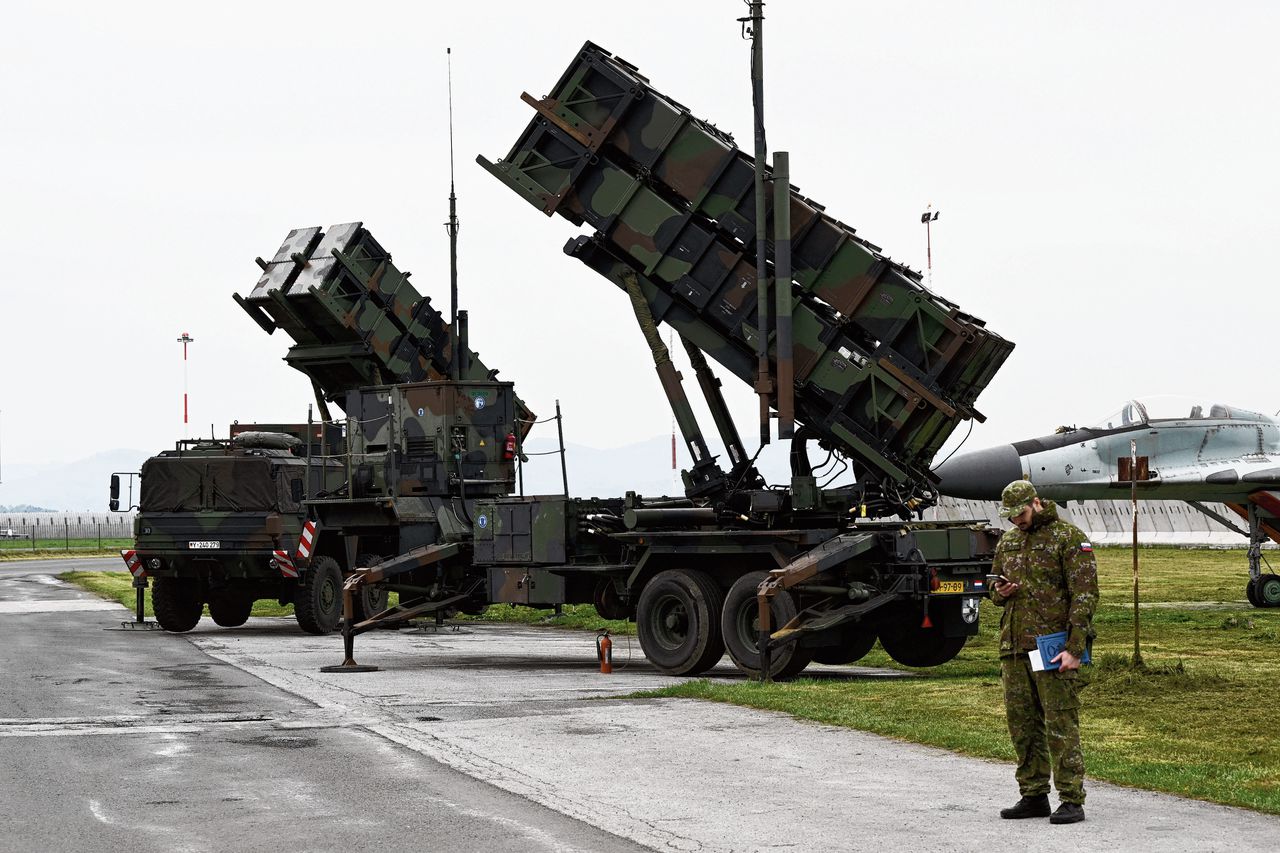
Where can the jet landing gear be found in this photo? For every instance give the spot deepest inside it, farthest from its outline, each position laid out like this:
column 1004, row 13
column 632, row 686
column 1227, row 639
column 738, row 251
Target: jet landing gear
column 1263, row 590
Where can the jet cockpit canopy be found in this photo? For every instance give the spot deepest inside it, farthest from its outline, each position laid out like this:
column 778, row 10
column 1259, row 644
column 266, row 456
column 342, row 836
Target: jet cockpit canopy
column 1173, row 407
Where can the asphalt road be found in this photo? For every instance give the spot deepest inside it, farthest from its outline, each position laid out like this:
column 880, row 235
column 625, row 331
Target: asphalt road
column 116, row 740
column 481, row 738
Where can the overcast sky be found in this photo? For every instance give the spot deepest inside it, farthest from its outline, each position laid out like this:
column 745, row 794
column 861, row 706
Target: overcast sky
column 1106, row 175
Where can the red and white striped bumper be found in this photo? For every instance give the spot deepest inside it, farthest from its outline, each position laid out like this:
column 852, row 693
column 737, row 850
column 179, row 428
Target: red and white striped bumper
column 134, row 563
column 287, row 568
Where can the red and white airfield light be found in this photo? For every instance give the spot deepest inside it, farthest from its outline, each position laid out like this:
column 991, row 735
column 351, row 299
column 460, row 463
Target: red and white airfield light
column 184, row 340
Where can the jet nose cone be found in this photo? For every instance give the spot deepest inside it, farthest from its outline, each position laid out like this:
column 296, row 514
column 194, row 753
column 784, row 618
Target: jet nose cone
column 980, row 475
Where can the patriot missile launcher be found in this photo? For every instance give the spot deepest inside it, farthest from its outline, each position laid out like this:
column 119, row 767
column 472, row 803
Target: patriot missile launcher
column 881, row 368
column 874, row 367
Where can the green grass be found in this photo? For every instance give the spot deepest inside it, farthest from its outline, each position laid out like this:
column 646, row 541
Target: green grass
column 56, row 549
column 1194, row 723
column 118, row 586
column 577, row 617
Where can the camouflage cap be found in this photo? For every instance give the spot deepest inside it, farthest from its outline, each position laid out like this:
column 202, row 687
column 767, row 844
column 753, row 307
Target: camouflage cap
column 1016, row 497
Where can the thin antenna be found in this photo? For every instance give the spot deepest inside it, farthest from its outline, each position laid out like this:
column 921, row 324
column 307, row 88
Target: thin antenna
column 455, row 360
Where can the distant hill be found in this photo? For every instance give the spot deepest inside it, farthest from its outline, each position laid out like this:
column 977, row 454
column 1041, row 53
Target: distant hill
column 78, row 485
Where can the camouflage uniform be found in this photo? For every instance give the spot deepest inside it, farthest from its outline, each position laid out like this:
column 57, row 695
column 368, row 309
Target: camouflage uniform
column 1055, row 566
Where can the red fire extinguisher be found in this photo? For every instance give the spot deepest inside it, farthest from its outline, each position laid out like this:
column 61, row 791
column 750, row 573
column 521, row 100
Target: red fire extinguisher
column 604, row 651
column 509, row 449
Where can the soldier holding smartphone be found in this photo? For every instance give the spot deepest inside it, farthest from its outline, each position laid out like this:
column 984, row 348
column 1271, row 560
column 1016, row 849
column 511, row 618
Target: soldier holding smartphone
column 1046, row 579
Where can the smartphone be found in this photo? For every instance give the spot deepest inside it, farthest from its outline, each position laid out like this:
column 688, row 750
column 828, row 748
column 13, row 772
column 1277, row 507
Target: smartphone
column 994, row 580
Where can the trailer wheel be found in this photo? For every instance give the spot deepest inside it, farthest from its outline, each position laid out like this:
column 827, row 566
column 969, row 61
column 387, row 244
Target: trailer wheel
column 855, row 642
column 677, row 619
column 911, row 645
column 740, row 622
column 229, row 608
column 317, row 602
column 176, row 603
column 372, row 600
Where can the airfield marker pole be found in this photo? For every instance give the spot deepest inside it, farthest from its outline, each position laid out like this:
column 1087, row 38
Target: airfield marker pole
column 184, row 340
column 1133, row 500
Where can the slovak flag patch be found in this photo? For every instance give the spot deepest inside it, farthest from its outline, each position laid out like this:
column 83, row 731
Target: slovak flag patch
column 1086, row 547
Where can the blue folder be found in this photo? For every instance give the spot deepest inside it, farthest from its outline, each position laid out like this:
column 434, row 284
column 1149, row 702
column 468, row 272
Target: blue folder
column 1050, row 645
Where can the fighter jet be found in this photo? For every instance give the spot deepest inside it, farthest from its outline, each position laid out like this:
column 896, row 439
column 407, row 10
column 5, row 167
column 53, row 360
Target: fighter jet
column 1185, row 451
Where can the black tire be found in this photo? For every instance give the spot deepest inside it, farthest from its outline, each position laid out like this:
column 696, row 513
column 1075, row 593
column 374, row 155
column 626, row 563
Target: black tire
column 1251, row 591
column 740, row 623
column 678, row 622
column 608, row 601
column 176, row 603
column 1269, row 591
column 855, row 641
column 317, row 602
column 230, row 608
column 372, row 600
column 911, row 645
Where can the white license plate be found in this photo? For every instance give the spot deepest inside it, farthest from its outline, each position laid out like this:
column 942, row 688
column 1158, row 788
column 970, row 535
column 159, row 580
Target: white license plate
column 206, row 544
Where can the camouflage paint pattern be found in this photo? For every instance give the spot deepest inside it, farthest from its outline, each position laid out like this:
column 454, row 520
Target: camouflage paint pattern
column 1043, row 712
column 354, row 316
column 249, row 501
column 418, row 439
column 1055, row 566
column 882, row 365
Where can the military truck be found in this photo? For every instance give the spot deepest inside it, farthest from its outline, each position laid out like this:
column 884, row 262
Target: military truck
column 219, row 521
column 872, row 366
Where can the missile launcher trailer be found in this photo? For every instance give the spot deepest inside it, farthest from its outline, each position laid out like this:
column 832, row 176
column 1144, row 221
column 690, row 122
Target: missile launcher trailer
column 875, row 368
column 218, row 522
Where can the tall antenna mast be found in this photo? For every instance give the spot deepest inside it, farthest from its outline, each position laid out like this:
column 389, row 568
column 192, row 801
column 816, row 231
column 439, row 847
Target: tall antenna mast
column 455, row 360
column 753, row 29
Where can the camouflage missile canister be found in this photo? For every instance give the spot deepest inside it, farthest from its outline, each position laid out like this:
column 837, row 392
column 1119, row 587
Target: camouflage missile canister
column 355, row 318
column 882, row 365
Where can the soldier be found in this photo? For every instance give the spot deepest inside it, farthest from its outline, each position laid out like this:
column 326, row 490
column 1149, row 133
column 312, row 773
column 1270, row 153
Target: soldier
column 1048, row 583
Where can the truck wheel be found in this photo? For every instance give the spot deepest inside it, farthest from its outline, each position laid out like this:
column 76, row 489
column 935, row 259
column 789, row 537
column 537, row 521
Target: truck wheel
column 855, row 642
column 740, row 622
column 608, row 602
column 910, row 645
column 317, row 602
column 1251, row 591
column 372, row 600
column 176, row 603
column 677, row 619
column 229, row 608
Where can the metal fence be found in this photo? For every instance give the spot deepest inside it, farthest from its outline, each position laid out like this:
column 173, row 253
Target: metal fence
column 62, row 531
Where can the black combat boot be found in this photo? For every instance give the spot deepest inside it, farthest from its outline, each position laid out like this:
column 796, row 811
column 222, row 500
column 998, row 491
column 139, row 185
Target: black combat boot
column 1037, row 806
column 1068, row 813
